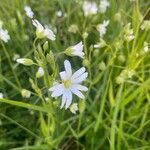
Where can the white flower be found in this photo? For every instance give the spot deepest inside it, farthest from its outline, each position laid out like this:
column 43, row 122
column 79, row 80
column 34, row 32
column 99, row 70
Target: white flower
column 4, row 35
column 29, row 11
column 70, row 84
column 104, row 4
column 74, row 108
column 25, row 93
column 76, row 50
column 40, row 72
column 89, row 8
column 1, row 95
column 102, row 28
column 42, row 32
column 59, row 13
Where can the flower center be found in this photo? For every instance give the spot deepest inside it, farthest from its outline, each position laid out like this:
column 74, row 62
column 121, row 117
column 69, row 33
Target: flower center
column 67, row 83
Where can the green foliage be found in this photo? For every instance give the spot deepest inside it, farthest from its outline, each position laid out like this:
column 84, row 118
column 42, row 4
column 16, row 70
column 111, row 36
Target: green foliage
column 115, row 112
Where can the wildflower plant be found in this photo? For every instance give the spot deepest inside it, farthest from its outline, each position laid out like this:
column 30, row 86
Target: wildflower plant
column 74, row 74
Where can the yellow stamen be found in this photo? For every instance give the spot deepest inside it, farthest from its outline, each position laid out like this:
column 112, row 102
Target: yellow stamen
column 67, row 83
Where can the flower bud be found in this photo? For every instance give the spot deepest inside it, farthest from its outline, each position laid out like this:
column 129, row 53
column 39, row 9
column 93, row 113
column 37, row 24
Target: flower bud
column 25, row 93
column 85, row 35
column 73, row 28
column 45, row 46
column 86, row 63
column 74, row 108
column 25, row 61
column 82, row 106
column 102, row 66
column 40, row 72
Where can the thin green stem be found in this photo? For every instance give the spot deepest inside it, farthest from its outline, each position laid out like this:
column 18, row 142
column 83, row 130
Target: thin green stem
column 10, row 63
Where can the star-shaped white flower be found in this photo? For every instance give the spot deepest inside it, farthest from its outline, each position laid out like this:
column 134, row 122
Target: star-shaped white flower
column 4, row 35
column 29, row 11
column 104, row 4
column 70, row 84
column 89, row 8
column 76, row 50
column 42, row 32
column 102, row 28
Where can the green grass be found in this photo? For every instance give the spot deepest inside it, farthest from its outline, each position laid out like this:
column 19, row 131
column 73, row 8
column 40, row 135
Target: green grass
column 113, row 116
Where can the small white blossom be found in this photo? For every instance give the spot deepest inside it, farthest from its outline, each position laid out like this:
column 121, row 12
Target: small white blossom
column 76, row 50
column 42, row 32
column 70, row 84
column 1, row 95
column 89, row 8
column 25, row 93
column 104, row 4
column 74, row 108
column 40, row 72
column 4, row 35
column 59, row 13
column 29, row 11
column 102, row 28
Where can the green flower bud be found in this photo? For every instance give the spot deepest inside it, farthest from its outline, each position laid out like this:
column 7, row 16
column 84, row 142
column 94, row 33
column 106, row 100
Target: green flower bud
column 25, row 93
column 25, row 61
column 45, row 46
column 102, row 66
column 82, row 106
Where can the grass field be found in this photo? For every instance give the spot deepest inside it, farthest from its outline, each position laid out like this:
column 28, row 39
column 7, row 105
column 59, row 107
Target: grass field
column 44, row 105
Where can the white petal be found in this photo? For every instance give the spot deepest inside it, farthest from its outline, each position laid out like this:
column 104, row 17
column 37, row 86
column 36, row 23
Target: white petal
column 63, row 101
column 68, row 68
column 80, row 54
column 77, row 92
column 49, row 34
column 37, row 24
column 80, row 78
column 80, row 87
column 78, row 47
column 63, row 75
column 78, row 73
column 57, row 90
column 68, row 95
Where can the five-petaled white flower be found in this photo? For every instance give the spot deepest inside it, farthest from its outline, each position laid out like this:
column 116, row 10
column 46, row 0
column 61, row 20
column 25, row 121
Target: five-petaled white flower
column 70, row 84
column 4, row 35
column 42, row 32
column 89, row 8
column 102, row 28
column 76, row 50
column 104, row 4
column 29, row 11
